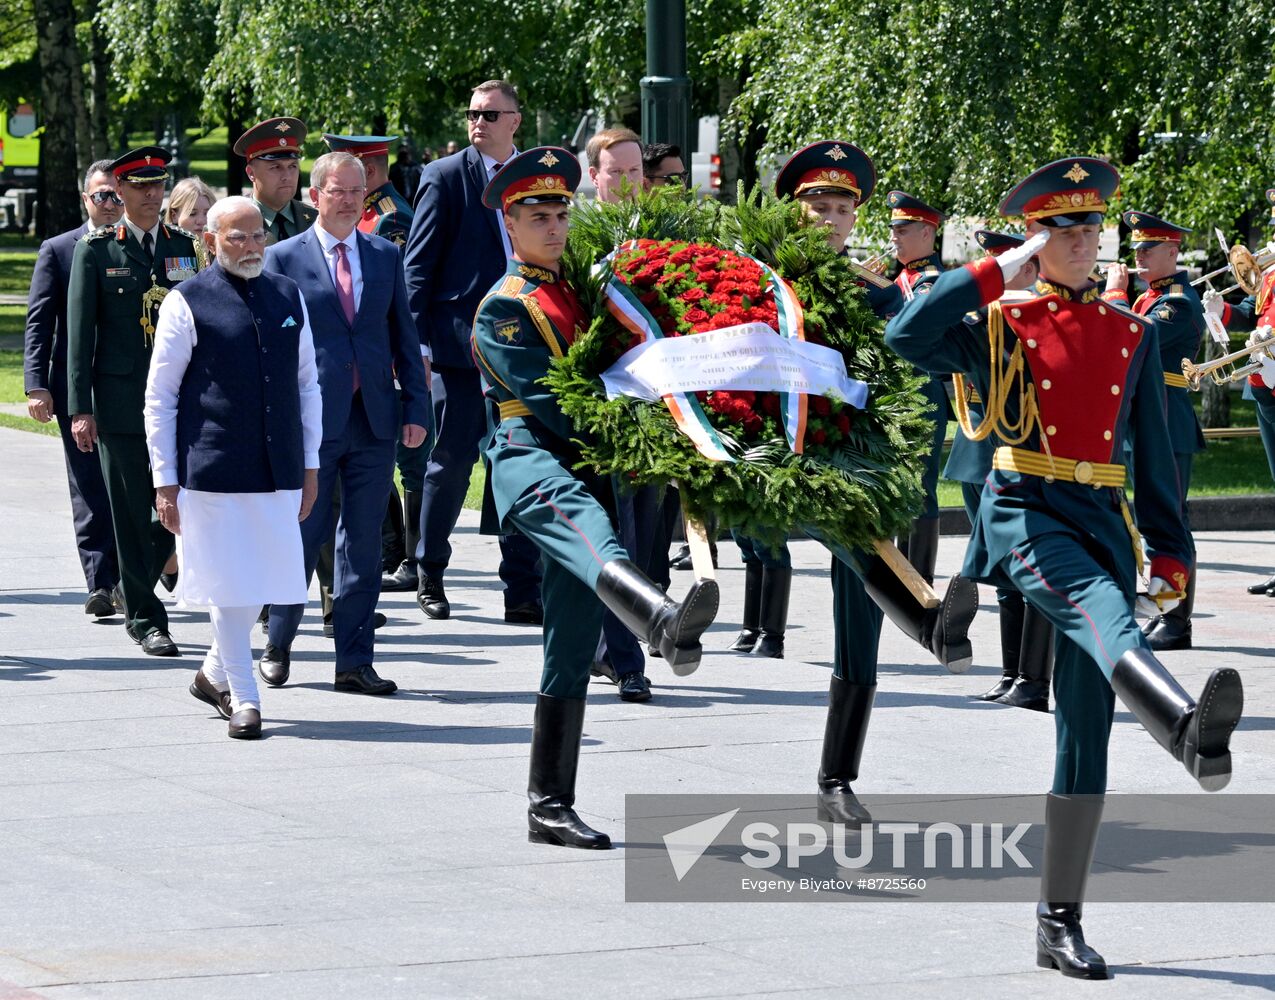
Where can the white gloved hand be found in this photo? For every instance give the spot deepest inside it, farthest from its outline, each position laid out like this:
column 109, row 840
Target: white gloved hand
column 1158, row 600
column 1263, row 335
column 1214, row 304
column 1012, row 261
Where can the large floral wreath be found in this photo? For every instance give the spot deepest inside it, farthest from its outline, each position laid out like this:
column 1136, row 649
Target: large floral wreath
column 762, row 462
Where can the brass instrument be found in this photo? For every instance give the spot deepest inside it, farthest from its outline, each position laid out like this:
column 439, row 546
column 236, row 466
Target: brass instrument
column 1223, row 371
column 872, row 270
column 1246, row 266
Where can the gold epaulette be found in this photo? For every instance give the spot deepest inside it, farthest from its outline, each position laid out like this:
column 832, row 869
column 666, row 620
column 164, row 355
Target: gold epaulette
column 386, row 205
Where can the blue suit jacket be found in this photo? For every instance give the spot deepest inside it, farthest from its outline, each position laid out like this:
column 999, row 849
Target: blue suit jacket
column 454, row 255
column 382, row 338
column 45, row 361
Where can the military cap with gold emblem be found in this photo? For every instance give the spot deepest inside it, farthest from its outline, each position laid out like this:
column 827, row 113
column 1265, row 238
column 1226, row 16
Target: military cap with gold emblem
column 1149, row 231
column 273, row 139
column 144, row 165
column 997, row 243
column 1270, row 198
column 1070, row 192
column 905, row 208
column 360, row 145
column 535, row 177
column 828, row 167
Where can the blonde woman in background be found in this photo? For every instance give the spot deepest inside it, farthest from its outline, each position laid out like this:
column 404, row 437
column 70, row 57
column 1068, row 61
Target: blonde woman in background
column 188, row 206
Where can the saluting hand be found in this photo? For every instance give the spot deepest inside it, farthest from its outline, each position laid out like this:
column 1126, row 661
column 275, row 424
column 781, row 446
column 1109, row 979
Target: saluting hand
column 166, row 507
column 1012, row 261
column 309, row 490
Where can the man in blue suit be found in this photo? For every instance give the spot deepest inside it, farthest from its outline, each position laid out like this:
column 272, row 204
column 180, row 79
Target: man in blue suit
column 456, row 250
column 44, row 380
column 364, row 338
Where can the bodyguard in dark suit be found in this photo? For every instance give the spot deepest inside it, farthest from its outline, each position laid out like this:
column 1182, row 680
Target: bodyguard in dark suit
column 44, row 380
column 456, row 250
column 119, row 276
column 363, row 338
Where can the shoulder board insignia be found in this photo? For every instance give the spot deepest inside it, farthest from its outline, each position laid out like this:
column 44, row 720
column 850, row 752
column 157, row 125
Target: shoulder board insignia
column 386, row 205
column 512, row 285
column 1176, row 290
column 101, row 232
column 183, row 232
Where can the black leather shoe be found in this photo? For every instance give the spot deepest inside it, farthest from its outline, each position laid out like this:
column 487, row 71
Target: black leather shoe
column 401, row 580
column 1170, row 632
column 364, row 680
column 525, row 614
column 997, row 690
column 635, row 687
column 99, row 604
column 245, row 725
column 329, row 630
column 431, row 599
column 1265, row 587
column 681, row 559
column 275, row 665
column 208, row 692
column 157, row 643
column 169, row 581
column 1026, row 693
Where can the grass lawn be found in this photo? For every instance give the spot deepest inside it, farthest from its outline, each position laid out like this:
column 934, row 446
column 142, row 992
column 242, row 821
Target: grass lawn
column 15, row 272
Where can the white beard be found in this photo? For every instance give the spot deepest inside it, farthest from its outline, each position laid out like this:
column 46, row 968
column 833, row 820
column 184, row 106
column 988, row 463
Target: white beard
column 249, row 268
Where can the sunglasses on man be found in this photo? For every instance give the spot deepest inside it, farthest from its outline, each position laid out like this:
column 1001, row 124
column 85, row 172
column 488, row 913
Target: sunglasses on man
column 487, row 116
column 102, row 197
column 682, row 178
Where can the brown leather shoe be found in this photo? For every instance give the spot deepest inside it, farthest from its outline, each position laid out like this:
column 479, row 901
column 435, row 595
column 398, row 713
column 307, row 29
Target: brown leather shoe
column 245, row 725
column 206, row 691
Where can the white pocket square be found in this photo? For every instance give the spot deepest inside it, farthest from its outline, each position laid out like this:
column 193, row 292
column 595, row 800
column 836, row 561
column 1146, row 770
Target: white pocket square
column 289, row 322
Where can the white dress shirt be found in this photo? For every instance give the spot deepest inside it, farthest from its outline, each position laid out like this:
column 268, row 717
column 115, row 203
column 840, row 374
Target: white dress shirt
column 489, row 164
column 139, row 233
column 329, row 244
column 174, row 342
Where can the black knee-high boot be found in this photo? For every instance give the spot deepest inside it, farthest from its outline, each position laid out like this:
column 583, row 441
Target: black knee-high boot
column 1071, row 834
column 1030, row 689
column 776, row 585
column 1010, row 612
column 923, row 546
column 849, row 709
column 551, row 788
column 651, row 615
column 1198, row 733
column 944, row 630
column 751, row 626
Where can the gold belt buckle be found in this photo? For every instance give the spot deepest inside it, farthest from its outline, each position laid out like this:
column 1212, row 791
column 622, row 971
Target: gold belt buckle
column 1084, row 473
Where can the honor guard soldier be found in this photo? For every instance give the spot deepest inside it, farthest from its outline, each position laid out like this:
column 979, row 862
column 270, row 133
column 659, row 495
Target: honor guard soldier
column 386, row 213
column 1027, row 638
column 1071, row 377
column 914, row 227
column 1255, row 311
column 1175, row 309
column 529, row 318
column 831, row 180
column 119, row 276
column 273, row 151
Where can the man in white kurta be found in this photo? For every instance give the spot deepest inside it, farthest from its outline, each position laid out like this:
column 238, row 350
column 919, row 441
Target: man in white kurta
column 233, row 425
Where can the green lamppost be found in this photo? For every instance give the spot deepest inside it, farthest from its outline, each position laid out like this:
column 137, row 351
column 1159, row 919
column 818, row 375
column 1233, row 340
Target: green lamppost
column 666, row 89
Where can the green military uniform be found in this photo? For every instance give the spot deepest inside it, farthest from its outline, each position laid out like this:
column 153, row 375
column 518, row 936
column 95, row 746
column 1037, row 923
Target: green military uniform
column 529, row 318
column 387, row 214
column 112, row 305
column 278, row 139
column 1073, row 375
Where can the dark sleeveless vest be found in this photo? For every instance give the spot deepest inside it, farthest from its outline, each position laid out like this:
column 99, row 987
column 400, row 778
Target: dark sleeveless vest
column 239, row 409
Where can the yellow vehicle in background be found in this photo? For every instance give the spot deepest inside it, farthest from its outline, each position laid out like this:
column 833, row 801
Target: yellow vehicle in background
column 19, row 146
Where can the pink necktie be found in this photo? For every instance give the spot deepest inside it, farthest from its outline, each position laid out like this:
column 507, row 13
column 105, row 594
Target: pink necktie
column 345, row 294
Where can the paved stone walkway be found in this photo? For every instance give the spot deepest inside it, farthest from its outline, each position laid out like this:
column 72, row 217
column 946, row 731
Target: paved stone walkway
column 377, row 848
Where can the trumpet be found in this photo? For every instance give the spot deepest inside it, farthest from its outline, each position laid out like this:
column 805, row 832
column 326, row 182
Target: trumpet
column 1247, row 267
column 872, row 269
column 1224, row 370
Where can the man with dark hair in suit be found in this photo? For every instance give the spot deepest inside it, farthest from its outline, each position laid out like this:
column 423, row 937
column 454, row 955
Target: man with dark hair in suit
column 44, row 380
column 456, row 250
column 364, row 338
